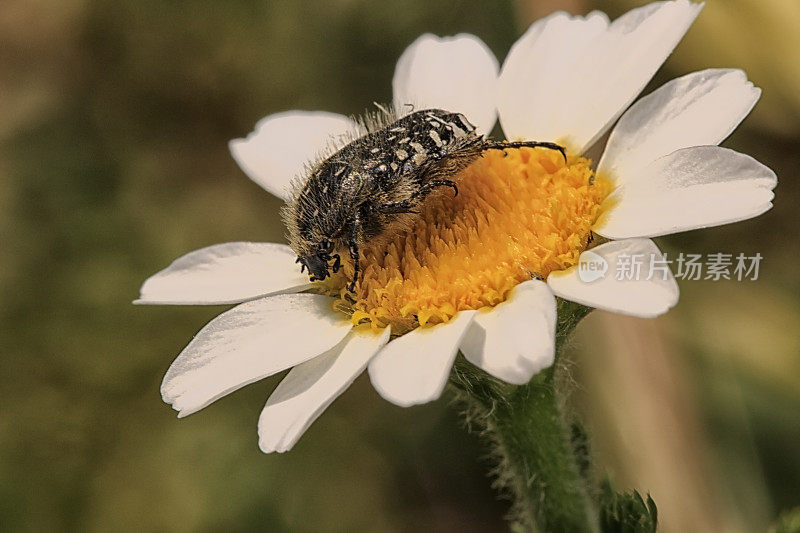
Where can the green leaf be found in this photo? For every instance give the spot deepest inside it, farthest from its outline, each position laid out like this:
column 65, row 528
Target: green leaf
column 626, row 512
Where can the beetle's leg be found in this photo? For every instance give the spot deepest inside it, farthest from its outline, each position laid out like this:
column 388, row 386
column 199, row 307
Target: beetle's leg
column 420, row 194
column 354, row 255
column 337, row 263
column 502, row 145
column 428, row 187
column 535, row 275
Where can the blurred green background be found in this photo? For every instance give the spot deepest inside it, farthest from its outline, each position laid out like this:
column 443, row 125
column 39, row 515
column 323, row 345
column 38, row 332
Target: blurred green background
column 114, row 124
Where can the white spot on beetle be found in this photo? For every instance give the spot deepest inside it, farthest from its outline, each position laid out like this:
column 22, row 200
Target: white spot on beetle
column 458, row 132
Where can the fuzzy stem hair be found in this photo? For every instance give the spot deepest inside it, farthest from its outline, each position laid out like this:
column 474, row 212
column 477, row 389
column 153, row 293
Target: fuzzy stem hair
column 538, row 463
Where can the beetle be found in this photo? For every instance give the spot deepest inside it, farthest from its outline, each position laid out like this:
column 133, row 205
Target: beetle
column 376, row 181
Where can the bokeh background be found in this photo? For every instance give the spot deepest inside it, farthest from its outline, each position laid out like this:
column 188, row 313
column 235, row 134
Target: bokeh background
column 114, row 124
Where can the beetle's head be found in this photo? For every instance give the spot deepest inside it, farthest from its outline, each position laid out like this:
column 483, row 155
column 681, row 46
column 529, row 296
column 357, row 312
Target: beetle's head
column 317, row 262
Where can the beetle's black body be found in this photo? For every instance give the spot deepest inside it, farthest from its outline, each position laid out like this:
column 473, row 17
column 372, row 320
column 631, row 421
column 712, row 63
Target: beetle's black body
column 376, row 181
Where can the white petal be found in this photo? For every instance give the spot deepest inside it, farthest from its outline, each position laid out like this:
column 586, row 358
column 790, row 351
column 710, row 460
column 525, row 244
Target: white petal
column 516, row 339
column 413, row 369
column 282, row 144
column 614, row 291
column 536, row 73
column 698, row 109
column 692, row 188
column 225, row 273
column 569, row 78
column 250, row 342
column 309, row 388
column 457, row 74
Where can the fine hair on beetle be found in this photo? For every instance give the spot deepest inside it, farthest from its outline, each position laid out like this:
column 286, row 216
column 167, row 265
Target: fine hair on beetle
column 370, row 184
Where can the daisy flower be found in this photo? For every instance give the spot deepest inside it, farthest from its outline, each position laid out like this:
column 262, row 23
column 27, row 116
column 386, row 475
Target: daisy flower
column 479, row 272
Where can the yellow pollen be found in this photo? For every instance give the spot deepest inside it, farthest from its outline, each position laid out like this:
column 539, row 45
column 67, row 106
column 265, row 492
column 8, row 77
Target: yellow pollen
column 519, row 214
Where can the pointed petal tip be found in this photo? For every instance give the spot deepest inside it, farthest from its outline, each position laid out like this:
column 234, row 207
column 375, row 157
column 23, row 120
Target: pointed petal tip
column 311, row 387
column 516, row 339
column 233, row 147
column 267, row 446
column 281, row 146
column 226, row 273
column 413, row 369
column 174, row 401
column 697, row 109
column 691, row 188
column 270, row 445
column 642, row 295
column 580, row 48
column 248, row 343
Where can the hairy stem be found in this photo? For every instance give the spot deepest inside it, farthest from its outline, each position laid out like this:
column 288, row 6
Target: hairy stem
column 537, row 463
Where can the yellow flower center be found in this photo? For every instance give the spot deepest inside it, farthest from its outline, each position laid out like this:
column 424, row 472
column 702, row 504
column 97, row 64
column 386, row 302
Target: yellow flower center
column 519, row 214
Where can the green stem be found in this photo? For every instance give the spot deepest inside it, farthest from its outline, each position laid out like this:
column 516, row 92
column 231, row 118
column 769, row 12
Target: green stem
column 537, row 462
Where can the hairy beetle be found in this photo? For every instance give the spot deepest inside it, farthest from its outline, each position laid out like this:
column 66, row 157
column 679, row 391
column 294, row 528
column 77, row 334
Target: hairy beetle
column 377, row 180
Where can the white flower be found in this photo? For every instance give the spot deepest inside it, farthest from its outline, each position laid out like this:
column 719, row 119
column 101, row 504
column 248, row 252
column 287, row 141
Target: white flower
column 566, row 79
